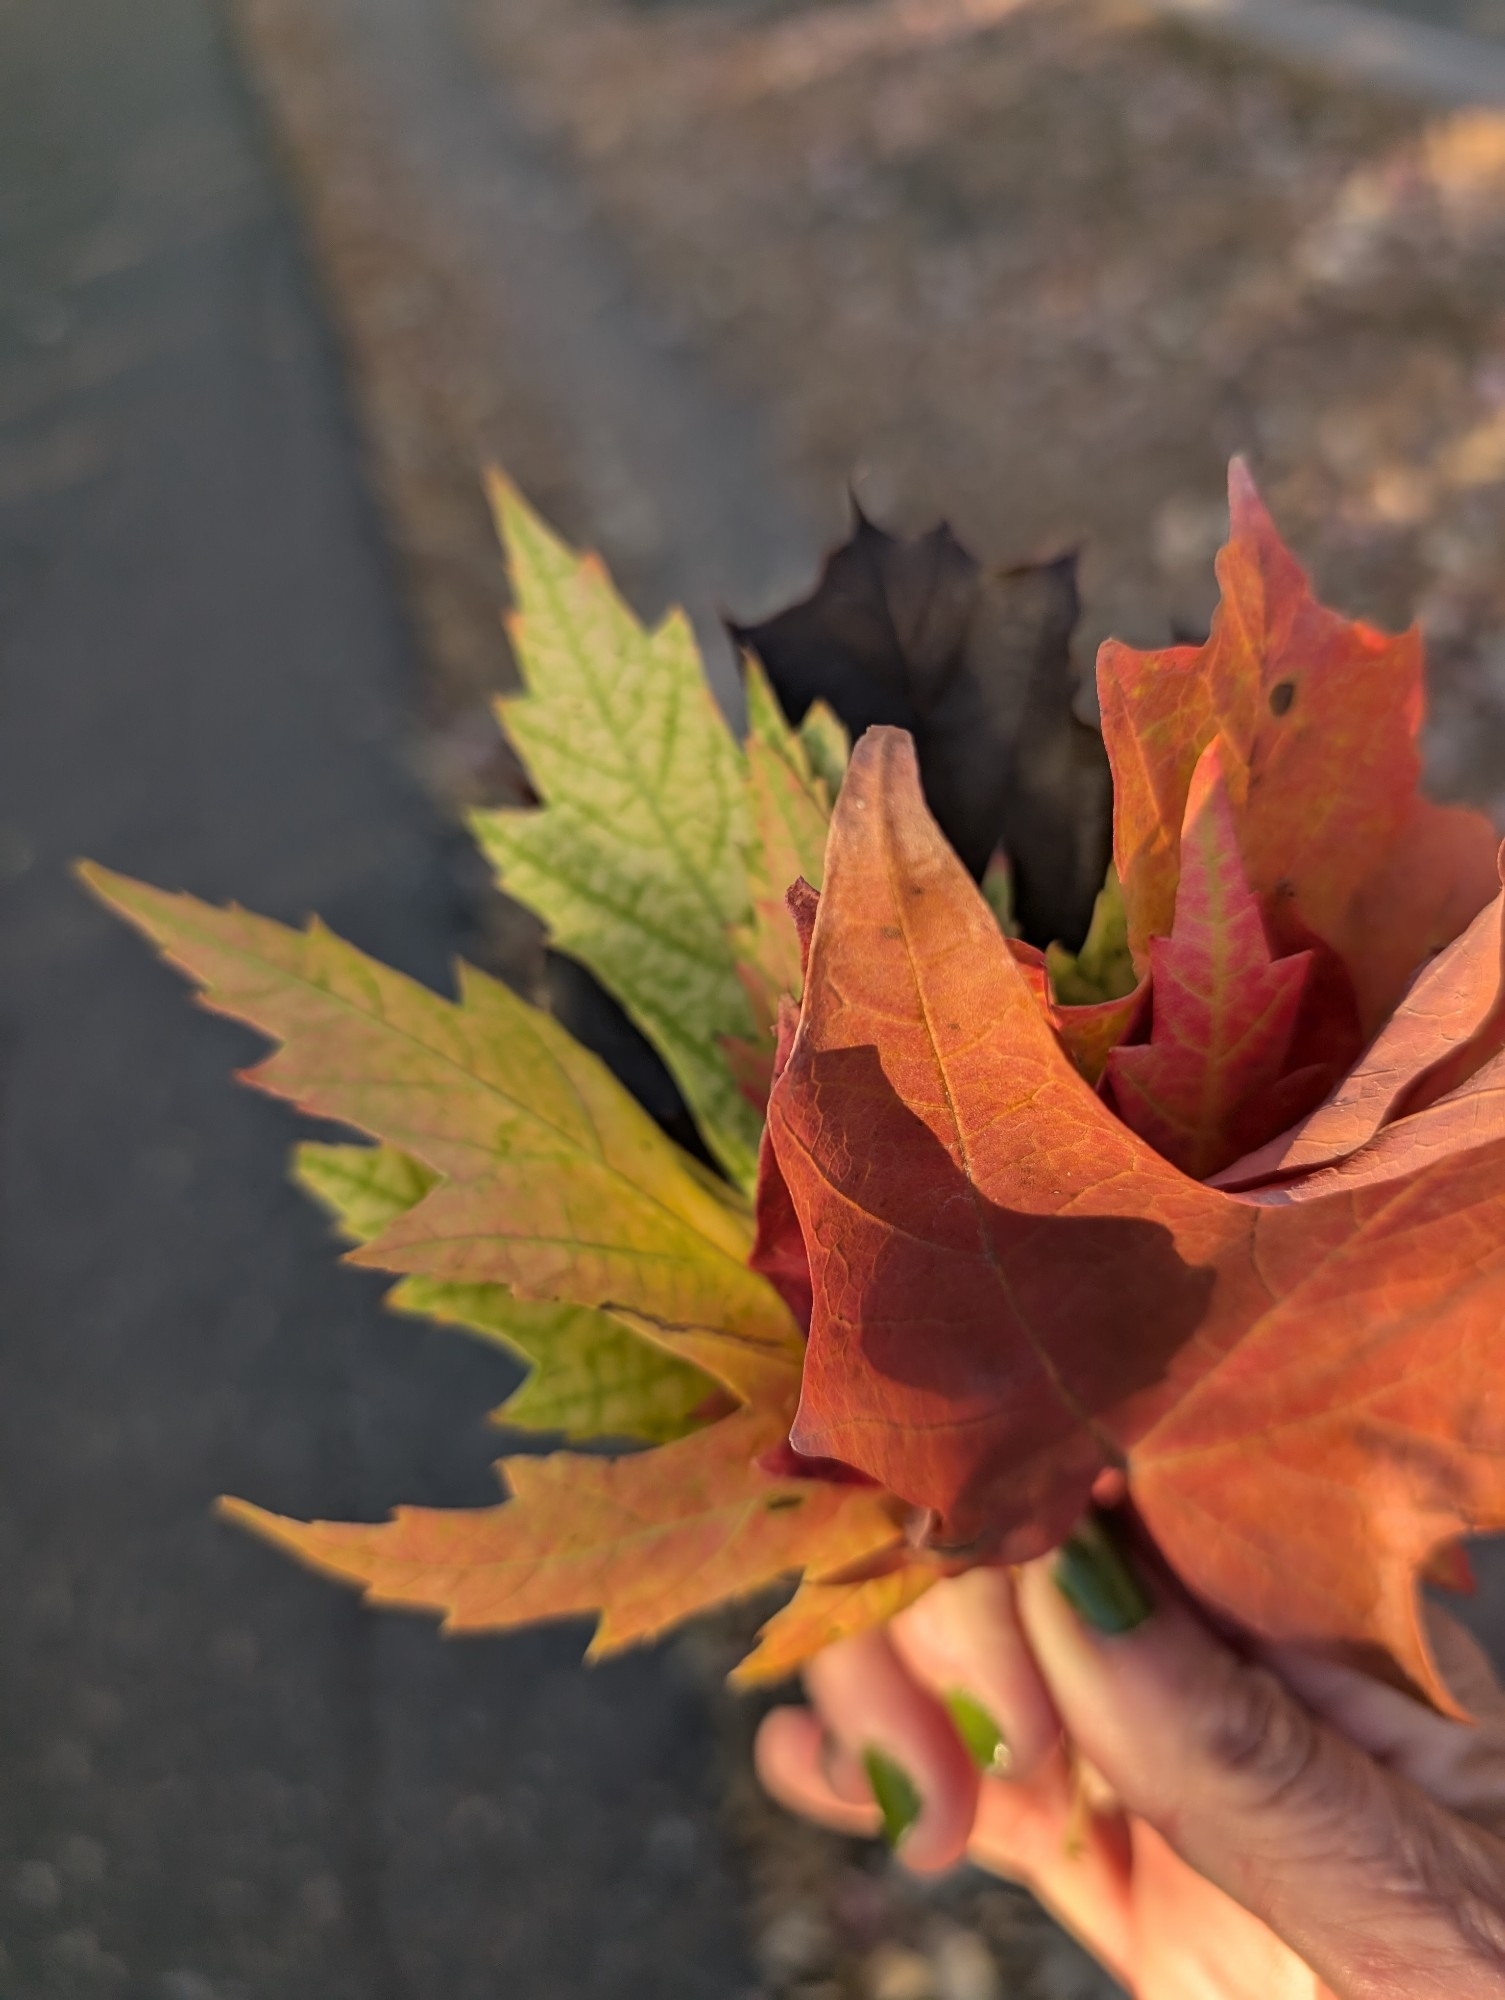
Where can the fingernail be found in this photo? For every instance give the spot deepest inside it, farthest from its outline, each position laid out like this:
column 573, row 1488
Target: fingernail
column 895, row 1792
column 986, row 1743
column 1093, row 1574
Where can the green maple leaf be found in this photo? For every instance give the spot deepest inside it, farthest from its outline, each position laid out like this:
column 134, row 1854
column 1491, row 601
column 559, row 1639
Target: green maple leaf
column 826, row 745
column 1103, row 969
column 637, row 858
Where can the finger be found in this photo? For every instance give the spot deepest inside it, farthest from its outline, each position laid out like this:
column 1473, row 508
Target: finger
column 1078, row 1864
column 790, row 1756
column 962, row 1640
column 925, row 1781
column 1373, row 1885
column 1460, row 1764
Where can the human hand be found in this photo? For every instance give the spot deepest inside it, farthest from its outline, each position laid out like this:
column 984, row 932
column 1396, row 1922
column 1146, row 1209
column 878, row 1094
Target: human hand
column 1270, row 1830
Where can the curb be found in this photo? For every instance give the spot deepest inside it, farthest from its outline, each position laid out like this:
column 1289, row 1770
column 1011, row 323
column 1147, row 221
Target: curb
column 1356, row 44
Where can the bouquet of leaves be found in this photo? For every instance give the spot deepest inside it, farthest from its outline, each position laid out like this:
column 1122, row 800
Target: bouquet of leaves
column 1209, row 1212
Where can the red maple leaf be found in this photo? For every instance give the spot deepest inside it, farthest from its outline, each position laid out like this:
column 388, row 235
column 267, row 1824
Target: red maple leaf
column 1214, row 1077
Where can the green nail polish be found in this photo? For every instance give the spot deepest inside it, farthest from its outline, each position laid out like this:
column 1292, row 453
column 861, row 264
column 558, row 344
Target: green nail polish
column 1093, row 1574
column 894, row 1790
column 985, row 1741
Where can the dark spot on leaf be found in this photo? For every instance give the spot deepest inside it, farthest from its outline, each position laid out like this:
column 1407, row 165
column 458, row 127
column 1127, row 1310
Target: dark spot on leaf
column 782, row 1502
column 892, row 931
column 1281, row 696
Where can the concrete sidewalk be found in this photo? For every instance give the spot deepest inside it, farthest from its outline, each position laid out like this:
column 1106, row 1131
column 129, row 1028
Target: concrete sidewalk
column 219, row 1779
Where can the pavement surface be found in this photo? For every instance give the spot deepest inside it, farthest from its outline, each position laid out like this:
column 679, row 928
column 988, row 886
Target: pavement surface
column 219, row 1778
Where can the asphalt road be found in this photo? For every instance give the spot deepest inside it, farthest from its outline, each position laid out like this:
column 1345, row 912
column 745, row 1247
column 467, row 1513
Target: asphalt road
column 219, row 1778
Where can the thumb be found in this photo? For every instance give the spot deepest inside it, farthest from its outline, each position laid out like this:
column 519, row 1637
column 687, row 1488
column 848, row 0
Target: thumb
column 1377, row 1888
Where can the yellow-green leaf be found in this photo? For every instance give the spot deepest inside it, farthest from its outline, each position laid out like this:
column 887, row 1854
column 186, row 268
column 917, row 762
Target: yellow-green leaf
column 569, row 1235
column 562, row 1187
column 997, row 887
column 827, row 745
column 636, row 859
column 1102, row 969
column 362, row 1188
column 590, row 1376
column 790, row 813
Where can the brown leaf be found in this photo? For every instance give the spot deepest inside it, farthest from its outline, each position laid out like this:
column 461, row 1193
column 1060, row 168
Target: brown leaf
column 976, row 664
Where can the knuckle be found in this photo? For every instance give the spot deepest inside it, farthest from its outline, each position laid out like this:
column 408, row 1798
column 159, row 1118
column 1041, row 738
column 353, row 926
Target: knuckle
column 1259, row 1738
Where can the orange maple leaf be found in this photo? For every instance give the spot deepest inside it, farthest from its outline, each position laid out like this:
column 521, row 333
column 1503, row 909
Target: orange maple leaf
column 548, row 1180
column 1013, row 1291
column 644, row 1541
column 1320, row 716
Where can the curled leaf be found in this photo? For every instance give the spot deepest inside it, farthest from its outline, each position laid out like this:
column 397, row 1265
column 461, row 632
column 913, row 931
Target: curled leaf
column 1013, row 1293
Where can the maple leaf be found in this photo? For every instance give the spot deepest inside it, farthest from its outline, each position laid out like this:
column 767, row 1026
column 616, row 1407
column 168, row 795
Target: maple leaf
column 1103, row 970
column 821, row 1613
column 636, row 861
column 1225, row 1011
column 828, row 746
column 514, row 1168
column 1013, row 1292
column 778, row 1249
column 557, row 1186
column 644, row 1541
column 1319, row 716
column 976, row 663
column 1310, row 1163
column 1094, row 997
column 590, row 1377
